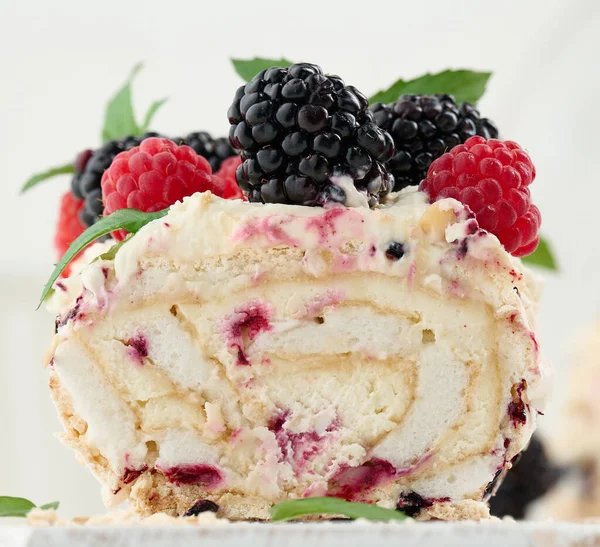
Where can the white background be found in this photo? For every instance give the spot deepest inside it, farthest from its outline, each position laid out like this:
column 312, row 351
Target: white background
column 61, row 60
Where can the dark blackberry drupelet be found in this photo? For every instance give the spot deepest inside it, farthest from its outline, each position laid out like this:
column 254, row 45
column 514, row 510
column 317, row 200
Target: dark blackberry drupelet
column 530, row 478
column 214, row 150
column 89, row 168
column 297, row 128
column 79, row 167
column 411, row 503
column 423, row 128
column 201, row 506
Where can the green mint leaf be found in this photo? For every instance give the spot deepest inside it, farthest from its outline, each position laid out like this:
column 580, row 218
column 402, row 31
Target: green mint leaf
column 41, row 177
column 120, row 118
column 51, row 505
column 543, row 257
column 15, row 507
column 248, row 68
column 150, row 114
column 332, row 506
column 112, row 252
column 465, row 85
column 130, row 220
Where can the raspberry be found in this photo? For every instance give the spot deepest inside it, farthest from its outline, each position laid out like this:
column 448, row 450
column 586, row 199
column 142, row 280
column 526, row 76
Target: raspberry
column 69, row 225
column 89, row 167
column 423, row 128
column 230, row 188
column 153, row 176
column 492, row 177
column 297, row 128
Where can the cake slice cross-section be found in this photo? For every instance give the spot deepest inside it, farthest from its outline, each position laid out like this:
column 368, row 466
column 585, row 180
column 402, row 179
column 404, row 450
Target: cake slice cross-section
column 250, row 353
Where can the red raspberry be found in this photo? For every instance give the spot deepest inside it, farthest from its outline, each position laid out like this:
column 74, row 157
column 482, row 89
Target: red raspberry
column 153, row 176
column 69, row 225
column 492, row 177
column 226, row 174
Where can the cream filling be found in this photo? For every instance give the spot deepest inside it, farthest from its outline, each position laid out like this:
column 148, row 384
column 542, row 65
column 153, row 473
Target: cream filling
column 111, row 424
column 357, row 380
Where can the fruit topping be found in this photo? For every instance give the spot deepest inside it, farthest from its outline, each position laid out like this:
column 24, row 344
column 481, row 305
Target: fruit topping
column 492, row 178
column 297, row 128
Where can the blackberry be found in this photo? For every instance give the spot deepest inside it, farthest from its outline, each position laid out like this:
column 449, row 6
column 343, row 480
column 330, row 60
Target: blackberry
column 89, row 168
column 297, row 128
column 411, row 503
column 201, row 506
column 79, row 166
column 214, row 150
column 530, row 478
column 423, row 128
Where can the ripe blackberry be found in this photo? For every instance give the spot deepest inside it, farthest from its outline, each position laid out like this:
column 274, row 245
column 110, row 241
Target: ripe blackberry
column 89, row 168
column 79, row 167
column 297, row 128
column 214, row 150
column 423, row 128
column 530, row 478
column 201, row 506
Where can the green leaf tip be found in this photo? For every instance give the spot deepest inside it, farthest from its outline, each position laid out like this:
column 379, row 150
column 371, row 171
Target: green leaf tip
column 464, row 85
column 19, row 507
column 150, row 114
column 65, row 169
column 120, row 118
column 291, row 509
column 112, row 252
column 130, row 220
column 542, row 257
column 248, row 68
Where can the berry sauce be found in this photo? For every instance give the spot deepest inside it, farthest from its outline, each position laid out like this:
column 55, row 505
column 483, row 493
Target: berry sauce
column 463, row 249
column 270, row 227
column 325, row 225
column 130, row 474
column 73, row 314
column 330, row 298
column 342, row 222
column 298, row 448
column 351, row 483
column 517, row 409
column 138, row 348
column 202, row 474
column 244, row 325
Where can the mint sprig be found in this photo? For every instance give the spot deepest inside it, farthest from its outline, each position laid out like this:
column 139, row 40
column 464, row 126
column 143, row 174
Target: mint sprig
column 543, row 257
column 120, row 120
column 248, row 68
column 291, row 509
column 130, row 220
column 150, row 114
column 19, row 507
column 465, row 85
column 53, row 172
column 112, row 252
